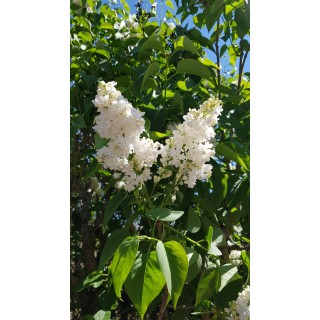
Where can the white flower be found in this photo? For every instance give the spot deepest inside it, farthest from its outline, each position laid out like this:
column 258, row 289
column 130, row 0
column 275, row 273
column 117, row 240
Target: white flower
column 153, row 8
column 118, row 35
column 190, row 148
column 235, row 257
column 131, row 23
column 171, row 25
column 114, row 2
column 120, row 25
column 240, row 309
column 128, row 155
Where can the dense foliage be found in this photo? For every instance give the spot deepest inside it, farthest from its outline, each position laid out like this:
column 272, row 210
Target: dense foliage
column 163, row 250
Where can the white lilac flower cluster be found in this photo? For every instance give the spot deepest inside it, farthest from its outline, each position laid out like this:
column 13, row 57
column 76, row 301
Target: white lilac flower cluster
column 190, row 146
column 131, row 157
column 240, row 309
column 124, row 25
column 128, row 155
column 235, row 257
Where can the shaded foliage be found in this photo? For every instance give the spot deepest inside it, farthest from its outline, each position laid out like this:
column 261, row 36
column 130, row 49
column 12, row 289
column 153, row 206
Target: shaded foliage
column 162, row 71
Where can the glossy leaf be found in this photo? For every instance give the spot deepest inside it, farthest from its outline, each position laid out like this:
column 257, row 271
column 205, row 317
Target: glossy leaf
column 111, row 245
column 193, row 221
column 173, row 263
column 195, row 67
column 122, row 262
column 220, row 186
column 195, row 263
column 155, row 135
column 169, row 4
column 206, row 284
column 226, row 151
column 163, row 214
column 153, row 42
column 94, row 167
column 228, row 273
column 102, row 315
column 153, row 68
column 144, row 282
column 112, row 206
column 85, row 35
column 99, row 142
column 213, row 249
column 184, row 43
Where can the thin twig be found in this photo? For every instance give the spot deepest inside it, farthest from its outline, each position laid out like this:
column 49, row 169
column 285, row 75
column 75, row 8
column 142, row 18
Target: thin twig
column 241, row 66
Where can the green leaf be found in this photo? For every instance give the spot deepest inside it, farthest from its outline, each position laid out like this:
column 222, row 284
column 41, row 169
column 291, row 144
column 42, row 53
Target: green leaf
column 198, row 19
column 209, row 235
column 103, row 52
column 85, row 35
column 94, row 280
column 155, row 135
column 220, row 186
column 209, row 63
column 106, row 25
column 224, row 150
column 79, row 122
column 206, row 284
column 234, row 5
column 102, row 315
column 90, row 4
column 228, row 273
column 183, row 85
column 193, row 221
column 85, row 22
column 213, row 249
column 93, row 167
column 228, row 293
column 214, row 13
column 153, row 42
column 100, row 142
column 163, row 214
column 232, row 55
column 246, row 259
column 195, row 263
column 242, row 190
column 144, row 282
column 173, row 263
column 111, row 245
column 169, row 4
column 112, row 206
column 88, row 317
column 184, row 43
column 122, row 262
column 195, row 67
column 218, row 237
column 153, row 68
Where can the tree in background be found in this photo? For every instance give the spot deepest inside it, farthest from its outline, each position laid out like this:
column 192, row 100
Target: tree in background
column 159, row 172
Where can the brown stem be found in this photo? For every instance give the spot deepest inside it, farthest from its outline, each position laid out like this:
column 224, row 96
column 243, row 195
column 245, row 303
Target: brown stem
column 163, row 303
column 181, row 307
column 241, row 66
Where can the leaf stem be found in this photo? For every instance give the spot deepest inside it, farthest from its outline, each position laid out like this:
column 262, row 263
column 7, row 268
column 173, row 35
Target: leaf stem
column 147, row 238
column 184, row 236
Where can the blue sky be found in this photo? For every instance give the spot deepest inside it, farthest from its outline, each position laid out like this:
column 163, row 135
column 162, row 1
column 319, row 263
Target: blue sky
column 146, row 5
